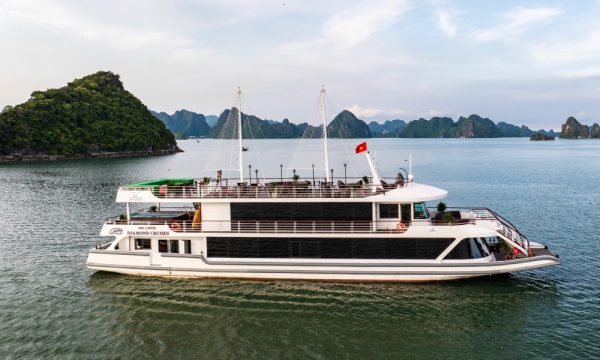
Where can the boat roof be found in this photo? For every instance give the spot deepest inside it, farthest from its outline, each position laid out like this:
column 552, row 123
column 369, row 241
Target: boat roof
column 414, row 192
column 182, row 190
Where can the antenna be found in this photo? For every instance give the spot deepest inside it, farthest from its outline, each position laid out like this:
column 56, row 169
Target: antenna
column 325, row 150
column 239, row 123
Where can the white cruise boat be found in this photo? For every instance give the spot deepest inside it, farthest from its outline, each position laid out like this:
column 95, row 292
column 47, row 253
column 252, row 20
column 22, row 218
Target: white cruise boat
column 325, row 229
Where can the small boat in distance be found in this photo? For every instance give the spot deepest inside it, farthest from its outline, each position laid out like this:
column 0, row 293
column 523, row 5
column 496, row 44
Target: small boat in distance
column 336, row 229
column 244, row 148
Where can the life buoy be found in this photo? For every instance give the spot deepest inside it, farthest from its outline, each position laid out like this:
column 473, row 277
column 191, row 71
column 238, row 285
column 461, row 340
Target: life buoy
column 401, row 227
column 175, row 226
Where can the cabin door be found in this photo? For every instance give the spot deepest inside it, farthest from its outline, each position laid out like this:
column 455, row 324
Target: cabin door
column 405, row 214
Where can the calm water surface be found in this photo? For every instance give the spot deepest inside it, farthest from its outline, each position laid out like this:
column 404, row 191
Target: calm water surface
column 51, row 306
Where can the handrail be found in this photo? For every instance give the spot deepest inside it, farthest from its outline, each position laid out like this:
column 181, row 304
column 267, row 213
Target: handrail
column 276, row 189
column 283, row 226
column 508, row 229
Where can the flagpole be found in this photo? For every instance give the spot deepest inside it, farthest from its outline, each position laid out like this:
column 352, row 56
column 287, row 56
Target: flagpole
column 239, row 123
column 325, row 150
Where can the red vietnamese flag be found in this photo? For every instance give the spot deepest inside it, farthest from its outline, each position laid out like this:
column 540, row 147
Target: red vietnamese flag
column 361, row 148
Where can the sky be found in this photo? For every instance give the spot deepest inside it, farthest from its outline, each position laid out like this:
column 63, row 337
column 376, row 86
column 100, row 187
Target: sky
column 523, row 62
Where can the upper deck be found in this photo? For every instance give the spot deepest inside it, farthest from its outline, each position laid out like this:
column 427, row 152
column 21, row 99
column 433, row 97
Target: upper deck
column 191, row 190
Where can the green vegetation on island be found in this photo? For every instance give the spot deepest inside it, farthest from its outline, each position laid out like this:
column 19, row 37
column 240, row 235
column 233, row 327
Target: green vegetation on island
column 184, row 124
column 538, row 136
column 90, row 116
column 346, row 125
column 572, row 129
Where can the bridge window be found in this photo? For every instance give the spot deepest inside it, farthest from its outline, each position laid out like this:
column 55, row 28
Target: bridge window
column 420, row 211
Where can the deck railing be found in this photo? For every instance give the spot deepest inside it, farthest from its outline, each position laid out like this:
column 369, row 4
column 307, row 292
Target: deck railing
column 293, row 227
column 272, row 189
column 507, row 229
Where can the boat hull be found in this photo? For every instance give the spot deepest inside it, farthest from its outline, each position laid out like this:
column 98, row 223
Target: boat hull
column 198, row 266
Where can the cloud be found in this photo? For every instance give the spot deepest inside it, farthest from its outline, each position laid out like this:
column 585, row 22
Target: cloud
column 355, row 25
column 515, row 23
column 445, row 22
column 380, row 114
column 581, row 46
column 592, row 72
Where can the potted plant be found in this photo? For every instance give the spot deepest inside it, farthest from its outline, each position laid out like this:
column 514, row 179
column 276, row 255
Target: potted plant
column 206, row 180
column 443, row 216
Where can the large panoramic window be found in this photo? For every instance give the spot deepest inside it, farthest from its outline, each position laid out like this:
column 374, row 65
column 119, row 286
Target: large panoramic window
column 388, row 211
column 420, row 211
column 143, row 244
column 412, row 248
column 301, row 211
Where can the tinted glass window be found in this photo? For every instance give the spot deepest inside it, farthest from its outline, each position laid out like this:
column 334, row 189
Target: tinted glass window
column 187, row 246
column 388, row 211
column 327, row 248
column 163, row 246
column 174, row 246
column 420, row 211
column 143, row 244
column 301, row 211
column 468, row 248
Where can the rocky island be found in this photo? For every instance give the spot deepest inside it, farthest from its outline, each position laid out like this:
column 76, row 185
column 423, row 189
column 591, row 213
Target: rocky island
column 89, row 117
column 538, row 136
column 572, row 129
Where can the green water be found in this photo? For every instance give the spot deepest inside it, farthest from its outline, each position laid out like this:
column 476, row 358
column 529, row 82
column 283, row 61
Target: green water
column 51, row 306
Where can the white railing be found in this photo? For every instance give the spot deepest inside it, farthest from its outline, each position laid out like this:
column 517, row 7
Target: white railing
column 285, row 189
column 279, row 226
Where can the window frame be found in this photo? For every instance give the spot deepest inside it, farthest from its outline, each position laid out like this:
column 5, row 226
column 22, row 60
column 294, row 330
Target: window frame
column 384, row 215
column 142, row 242
column 425, row 211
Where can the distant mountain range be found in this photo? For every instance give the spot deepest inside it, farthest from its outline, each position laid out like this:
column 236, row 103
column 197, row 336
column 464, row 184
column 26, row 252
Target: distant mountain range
column 185, row 124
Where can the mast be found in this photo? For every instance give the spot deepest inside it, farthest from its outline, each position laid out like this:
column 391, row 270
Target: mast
column 239, row 124
column 325, row 150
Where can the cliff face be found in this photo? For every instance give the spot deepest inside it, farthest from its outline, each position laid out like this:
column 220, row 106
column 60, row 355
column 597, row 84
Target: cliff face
column 346, row 125
column 87, row 117
column 184, row 123
column 572, row 129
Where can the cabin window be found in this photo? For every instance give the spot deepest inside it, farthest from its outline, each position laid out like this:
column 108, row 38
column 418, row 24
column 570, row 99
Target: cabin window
column 143, row 244
column 388, row 211
column 301, row 211
column 470, row 248
column 411, row 248
column 163, row 246
column 174, row 246
column 420, row 211
column 187, row 246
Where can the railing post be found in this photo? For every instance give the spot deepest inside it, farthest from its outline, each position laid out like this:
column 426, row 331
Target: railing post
column 351, row 227
column 294, row 226
column 257, row 229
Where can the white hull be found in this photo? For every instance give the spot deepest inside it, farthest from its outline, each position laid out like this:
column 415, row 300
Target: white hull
column 323, row 270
